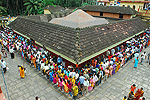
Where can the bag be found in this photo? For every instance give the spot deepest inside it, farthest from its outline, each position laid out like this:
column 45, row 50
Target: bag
column 7, row 68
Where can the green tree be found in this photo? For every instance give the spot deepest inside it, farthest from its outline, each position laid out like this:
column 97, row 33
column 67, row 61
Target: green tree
column 33, row 6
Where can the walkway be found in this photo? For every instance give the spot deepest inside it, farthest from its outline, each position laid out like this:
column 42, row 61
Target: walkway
column 35, row 84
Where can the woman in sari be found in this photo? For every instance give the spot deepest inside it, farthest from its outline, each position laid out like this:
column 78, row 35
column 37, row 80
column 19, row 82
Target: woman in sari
column 34, row 60
column 136, row 62
column 54, row 78
column 114, row 68
column 61, row 83
column 57, row 78
column 22, row 69
column 90, row 88
column 73, row 80
column 69, row 88
column 139, row 93
column 51, row 76
column 65, row 84
column 117, row 64
column 111, row 69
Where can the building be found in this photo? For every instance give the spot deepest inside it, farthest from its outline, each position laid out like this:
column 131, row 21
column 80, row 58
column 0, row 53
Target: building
column 78, row 45
column 135, row 4
column 104, row 2
column 110, row 11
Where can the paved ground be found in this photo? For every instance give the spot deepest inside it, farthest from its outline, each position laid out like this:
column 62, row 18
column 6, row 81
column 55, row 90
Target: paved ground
column 34, row 84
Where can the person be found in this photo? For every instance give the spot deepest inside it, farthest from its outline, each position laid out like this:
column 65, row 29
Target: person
column 124, row 98
column 11, row 50
column 136, row 62
column 81, row 90
column 133, row 88
column 139, row 93
column 3, row 65
column 65, row 84
column 86, row 85
column 106, row 73
column 131, row 96
column 75, row 91
column 22, row 71
column 69, row 87
column 37, row 98
column 81, row 79
column 143, row 56
column 3, row 52
column 92, row 84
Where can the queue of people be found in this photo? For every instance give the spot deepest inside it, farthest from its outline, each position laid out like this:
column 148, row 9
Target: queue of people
column 77, row 82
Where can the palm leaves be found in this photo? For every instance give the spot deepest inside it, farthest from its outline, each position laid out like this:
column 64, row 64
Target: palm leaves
column 32, row 6
column 3, row 9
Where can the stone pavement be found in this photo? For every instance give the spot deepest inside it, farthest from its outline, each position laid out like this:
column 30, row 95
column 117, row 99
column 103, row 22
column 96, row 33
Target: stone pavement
column 35, row 84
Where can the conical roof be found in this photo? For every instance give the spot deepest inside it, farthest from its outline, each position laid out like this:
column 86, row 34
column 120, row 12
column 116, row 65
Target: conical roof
column 78, row 19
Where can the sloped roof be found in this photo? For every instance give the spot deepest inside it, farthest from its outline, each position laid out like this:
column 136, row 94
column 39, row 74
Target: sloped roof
column 79, row 45
column 55, row 8
column 110, row 9
column 78, row 19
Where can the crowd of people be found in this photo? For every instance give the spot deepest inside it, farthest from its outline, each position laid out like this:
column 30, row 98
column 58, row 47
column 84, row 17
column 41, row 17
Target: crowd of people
column 77, row 82
column 135, row 96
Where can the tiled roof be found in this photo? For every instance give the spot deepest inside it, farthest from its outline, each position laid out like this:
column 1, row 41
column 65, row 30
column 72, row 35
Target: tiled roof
column 110, row 9
column 58, row 38
column 78, row 19
column 55, row 8
column 78, row 44
column 98, row 38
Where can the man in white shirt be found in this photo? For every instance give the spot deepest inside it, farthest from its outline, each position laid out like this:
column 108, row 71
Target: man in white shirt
column 143, row 56
column 3, row 65
column 86, row 85
column 77, row 75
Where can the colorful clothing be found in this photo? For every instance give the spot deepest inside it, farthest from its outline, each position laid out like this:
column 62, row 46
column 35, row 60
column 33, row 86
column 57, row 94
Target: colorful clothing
column 136, row 62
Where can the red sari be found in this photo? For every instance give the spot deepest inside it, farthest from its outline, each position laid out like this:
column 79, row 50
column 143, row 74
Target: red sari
column 139, row 93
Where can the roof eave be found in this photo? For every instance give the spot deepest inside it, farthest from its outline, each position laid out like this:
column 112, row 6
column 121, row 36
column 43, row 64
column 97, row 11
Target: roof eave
column 63, row 56
column 100, row 52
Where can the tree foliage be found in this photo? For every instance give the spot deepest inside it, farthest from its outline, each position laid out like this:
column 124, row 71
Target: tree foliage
column 21, row 7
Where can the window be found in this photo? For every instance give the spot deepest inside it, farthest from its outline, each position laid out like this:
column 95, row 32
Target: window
column 101, row 13
column 120, row 15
